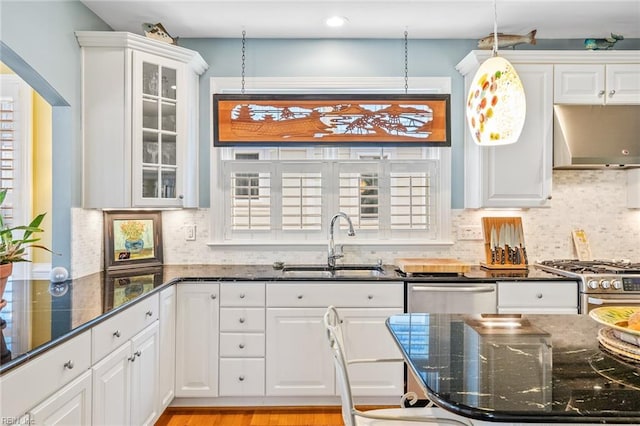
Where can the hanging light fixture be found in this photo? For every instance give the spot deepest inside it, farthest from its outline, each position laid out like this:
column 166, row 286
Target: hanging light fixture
column 496, row 105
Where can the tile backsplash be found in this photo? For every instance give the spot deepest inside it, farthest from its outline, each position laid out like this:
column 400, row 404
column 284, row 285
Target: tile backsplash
column 592, row 200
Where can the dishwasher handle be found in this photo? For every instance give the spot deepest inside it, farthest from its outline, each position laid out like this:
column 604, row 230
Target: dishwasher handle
column 454, row 289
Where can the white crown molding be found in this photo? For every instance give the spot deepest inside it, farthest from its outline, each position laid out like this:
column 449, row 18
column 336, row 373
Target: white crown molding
column 134, row 41
column 473, row 60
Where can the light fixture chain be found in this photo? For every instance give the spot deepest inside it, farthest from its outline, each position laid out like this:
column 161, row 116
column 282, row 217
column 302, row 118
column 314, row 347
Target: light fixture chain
column 495, row 29
column 244, row 42
column 406, row 63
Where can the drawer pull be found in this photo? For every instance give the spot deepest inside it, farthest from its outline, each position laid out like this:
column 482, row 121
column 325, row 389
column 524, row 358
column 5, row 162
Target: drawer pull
column 241, row 295
column 241, row 345
column 149, row 313
column 370, row 297
column 68, row 365
column 116, row 333
column 539, row 295
column 241, row 320
column 214, row 296
column 241, row 378
column 300, row 297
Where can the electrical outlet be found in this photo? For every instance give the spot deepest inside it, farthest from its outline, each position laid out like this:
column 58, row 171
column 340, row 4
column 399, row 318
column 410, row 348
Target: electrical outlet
column 470, row 232
column 190, row 232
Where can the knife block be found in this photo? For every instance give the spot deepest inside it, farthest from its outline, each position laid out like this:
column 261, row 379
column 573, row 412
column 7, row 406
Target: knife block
column 504, row 243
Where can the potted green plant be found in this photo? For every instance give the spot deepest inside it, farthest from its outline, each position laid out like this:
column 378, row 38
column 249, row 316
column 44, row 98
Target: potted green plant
column 13, row 247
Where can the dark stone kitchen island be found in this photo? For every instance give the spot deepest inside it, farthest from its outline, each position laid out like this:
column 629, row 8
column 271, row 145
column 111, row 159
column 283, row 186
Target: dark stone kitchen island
column 519, row 368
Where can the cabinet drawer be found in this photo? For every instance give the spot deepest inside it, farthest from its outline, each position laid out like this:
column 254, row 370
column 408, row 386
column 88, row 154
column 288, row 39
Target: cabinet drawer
column 241, row 377
column 115, row 331
column 323, row 294
column 242, row 319
column 50, row 371
column 538, row 294
column 242, row 294
column 242, row 345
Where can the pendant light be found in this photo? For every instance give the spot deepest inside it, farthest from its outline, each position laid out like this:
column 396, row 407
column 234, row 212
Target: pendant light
column 496, row 105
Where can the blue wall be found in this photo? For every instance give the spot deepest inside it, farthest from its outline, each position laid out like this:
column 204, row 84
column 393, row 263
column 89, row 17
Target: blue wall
column 38, row 42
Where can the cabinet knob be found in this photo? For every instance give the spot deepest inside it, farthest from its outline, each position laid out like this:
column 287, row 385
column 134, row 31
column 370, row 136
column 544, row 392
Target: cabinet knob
column 299, row 296
column 241, row 295
column 549, row 197
column 241, row 345
column 116, row 333
column 132, row 358
column 539, row 295
column 181, row 197
column 68, row 365
column 612, row 92
column 241, row 320
column 241, row 378
column 149, row 313
column 370, row 297
column 138, row 353
column 601, row 93
column 214, row 296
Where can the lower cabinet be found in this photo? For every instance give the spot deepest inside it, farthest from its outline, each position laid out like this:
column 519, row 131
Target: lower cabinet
column 167, row 345
column 538, row 297
column 197, row 329
column 125, row 383
column 298, row 360
column 71, row 405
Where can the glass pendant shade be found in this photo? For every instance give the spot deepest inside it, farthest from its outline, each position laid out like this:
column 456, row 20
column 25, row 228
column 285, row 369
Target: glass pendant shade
column 496, row 105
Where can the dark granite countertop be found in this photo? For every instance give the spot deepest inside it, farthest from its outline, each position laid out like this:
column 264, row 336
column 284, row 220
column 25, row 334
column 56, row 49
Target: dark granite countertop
column 541, row 368
column 41, row 315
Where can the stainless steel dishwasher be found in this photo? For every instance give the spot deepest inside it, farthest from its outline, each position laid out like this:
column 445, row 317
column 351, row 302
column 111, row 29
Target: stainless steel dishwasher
column 448, row 298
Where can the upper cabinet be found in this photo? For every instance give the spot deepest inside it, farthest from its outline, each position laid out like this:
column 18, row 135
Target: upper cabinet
column 516, row 175
column 520, row 175
column 139, row 121
column 597, row 84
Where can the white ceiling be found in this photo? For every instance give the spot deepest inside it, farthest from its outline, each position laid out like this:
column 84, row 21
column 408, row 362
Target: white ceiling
column 437, row 19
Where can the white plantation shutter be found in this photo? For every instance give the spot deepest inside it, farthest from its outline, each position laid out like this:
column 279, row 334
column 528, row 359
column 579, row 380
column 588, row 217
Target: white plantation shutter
column 7, row 154
column 294, row 200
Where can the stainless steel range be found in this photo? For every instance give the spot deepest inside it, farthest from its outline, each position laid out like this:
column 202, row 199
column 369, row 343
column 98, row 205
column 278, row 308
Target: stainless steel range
column 602, row 282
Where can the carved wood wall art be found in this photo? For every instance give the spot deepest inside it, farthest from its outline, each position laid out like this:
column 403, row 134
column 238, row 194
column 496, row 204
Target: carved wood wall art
column 331, row 119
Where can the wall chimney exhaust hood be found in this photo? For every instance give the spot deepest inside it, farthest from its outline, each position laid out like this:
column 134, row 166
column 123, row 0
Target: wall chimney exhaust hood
column 594, row 136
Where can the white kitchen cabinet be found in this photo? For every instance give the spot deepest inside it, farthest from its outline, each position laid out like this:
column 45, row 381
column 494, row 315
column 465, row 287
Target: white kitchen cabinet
column 242, row 339
column 520, row 174
column 362, row 326
column 538, row 297
column 597, row 84
column 633, row 188
column 69, row 406
column 298, row 360
column 51, row 371
column 125, row 383
column 139, row 121
column 167, row 342
column 197, row 328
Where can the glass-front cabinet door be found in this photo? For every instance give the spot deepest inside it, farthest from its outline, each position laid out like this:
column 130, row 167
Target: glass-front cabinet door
column 157, row 131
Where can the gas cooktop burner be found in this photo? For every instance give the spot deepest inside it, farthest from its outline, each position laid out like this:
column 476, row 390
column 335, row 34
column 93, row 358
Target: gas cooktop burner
column 593, row 266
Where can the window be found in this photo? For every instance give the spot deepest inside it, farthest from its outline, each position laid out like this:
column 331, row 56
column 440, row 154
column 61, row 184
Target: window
column 278, row 195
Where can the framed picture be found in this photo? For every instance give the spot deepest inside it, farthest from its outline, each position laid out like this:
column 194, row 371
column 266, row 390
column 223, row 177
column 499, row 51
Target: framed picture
column 132, row 239
column 124, row 286
column 285, row 119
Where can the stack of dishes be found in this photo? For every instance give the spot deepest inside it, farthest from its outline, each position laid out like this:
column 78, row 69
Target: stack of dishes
column 617, row 336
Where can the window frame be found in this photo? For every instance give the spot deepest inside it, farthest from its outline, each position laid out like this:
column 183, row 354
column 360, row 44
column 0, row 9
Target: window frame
column 442, row 155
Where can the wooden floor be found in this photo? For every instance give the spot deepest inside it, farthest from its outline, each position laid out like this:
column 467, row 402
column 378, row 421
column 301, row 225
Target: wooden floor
column 253, row 416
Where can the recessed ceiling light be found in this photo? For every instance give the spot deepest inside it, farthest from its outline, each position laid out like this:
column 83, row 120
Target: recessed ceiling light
column 336, row 21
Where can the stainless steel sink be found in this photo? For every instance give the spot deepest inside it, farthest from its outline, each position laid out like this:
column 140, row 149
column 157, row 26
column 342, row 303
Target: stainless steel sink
column 338, row 271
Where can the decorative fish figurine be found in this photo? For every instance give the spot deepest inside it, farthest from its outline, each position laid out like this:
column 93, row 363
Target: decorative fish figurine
column 602, row 43
column 507, row 40
column 157, row 32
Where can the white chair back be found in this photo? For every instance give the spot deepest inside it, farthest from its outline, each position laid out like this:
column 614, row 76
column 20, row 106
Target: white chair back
column 333, row 324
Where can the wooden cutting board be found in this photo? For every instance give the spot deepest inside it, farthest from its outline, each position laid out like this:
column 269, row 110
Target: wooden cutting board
column 431, row 264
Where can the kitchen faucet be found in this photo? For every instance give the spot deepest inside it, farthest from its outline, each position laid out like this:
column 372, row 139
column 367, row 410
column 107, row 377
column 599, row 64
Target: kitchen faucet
column 333, row 254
